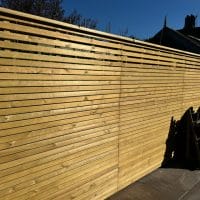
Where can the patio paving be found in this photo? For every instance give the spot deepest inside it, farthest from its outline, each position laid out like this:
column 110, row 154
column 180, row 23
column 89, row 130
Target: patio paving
column 163, row 184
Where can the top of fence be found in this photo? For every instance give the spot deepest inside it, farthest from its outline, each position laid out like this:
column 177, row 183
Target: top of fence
column 64, row 25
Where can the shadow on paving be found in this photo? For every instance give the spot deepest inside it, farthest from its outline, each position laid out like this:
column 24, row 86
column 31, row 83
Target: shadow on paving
column 163, row 184
column 178, row 178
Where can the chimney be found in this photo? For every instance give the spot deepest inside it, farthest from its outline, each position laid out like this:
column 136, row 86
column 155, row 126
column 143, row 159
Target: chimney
column 190, row 22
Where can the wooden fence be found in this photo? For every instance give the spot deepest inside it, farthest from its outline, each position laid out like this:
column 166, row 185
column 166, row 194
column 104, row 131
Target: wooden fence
column 84, row 113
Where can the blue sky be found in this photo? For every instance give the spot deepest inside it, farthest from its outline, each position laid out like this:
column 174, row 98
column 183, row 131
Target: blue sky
column 143, row 18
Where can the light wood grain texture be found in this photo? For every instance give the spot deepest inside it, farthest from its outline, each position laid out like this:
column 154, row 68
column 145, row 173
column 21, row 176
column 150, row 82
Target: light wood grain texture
column 84, row 113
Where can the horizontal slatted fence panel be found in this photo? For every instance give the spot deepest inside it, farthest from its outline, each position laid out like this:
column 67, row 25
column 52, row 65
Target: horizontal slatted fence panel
column 84, row 113
column 59, row 111
column 150, row 95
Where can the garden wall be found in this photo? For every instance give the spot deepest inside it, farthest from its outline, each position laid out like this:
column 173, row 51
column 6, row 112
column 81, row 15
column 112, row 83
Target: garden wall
column 84, row 113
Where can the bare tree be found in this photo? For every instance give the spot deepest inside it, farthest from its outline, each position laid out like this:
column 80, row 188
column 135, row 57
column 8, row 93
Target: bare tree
column 77, row 19
column 49, row 8
column 45, row 8
column 108, row 28
column 123, row 32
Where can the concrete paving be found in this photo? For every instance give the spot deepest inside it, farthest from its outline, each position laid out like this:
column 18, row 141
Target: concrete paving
column 163, row 184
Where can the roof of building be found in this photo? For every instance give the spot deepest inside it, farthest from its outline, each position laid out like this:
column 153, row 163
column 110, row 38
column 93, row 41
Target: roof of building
column 186, row 39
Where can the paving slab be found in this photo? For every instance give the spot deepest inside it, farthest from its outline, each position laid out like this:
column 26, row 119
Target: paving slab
column 163, row 184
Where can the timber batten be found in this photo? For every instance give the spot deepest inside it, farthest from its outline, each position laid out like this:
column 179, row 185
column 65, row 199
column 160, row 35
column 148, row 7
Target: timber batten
column 84, row 113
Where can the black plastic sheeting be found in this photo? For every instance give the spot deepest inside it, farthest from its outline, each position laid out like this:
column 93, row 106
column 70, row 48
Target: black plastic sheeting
column 183, row 143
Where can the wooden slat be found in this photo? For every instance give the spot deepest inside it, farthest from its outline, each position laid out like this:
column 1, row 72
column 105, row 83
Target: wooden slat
column 84, row 113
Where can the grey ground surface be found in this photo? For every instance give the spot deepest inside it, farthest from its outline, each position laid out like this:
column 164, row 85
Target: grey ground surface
column 163, row 184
